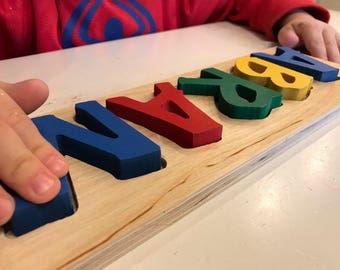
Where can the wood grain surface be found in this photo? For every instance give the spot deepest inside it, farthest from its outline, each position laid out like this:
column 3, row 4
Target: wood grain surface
column 115, row 216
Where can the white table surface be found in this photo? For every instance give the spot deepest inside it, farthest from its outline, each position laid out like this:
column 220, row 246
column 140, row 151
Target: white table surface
column 285, row 215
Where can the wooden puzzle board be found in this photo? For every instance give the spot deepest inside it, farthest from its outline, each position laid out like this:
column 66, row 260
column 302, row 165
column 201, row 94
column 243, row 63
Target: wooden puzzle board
column 114, row 216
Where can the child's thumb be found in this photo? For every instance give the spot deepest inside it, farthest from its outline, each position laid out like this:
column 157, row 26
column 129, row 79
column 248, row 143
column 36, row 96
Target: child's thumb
column 288, row 37
column 29, row 94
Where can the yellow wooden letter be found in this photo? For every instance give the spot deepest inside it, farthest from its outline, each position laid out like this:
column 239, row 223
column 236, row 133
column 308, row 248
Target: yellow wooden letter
column 291, row 84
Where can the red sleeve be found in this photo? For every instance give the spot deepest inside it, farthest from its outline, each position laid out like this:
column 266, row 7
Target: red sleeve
column 28, row 27
column 262, row 15
column 16, row 28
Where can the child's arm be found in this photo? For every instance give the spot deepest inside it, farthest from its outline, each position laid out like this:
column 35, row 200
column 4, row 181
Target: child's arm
column 28, row 163
column 319, row 38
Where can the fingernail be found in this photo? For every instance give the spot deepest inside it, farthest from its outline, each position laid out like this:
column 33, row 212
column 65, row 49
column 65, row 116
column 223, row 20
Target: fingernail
column 6, row 206
column 42, row 183
column 56, row 164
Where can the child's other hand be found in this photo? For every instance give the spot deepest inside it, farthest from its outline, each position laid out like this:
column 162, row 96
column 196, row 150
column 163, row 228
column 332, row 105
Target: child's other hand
column 28, row 163
column 319, row 38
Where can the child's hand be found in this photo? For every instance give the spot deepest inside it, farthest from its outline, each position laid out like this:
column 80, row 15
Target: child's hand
column 319, row 38
column 28, row 163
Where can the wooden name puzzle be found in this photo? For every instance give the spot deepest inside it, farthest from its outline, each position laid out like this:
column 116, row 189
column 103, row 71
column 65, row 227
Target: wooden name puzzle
column 112, row 145
column 181, row 142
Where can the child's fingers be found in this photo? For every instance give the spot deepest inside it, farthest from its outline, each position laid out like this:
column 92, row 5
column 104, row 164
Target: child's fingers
column 331, row 40
column 28, row 163
column 321, row 43
column 16, row 119
column 312, row 37
column 288, row 37
column 22, row 171
column 29, row 94
column 6, row 206
column 337, row 38
column 319, row 38
column 296, row 34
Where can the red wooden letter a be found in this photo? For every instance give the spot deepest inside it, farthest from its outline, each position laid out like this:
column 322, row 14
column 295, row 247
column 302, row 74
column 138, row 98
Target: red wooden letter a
column 169, row 114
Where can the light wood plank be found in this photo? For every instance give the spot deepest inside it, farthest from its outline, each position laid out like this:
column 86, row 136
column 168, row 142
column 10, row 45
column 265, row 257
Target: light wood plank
column 115, row 216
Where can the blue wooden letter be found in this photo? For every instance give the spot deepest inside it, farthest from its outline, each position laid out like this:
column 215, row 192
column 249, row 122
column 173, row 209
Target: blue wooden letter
column 119, row 149
column 295, row 60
